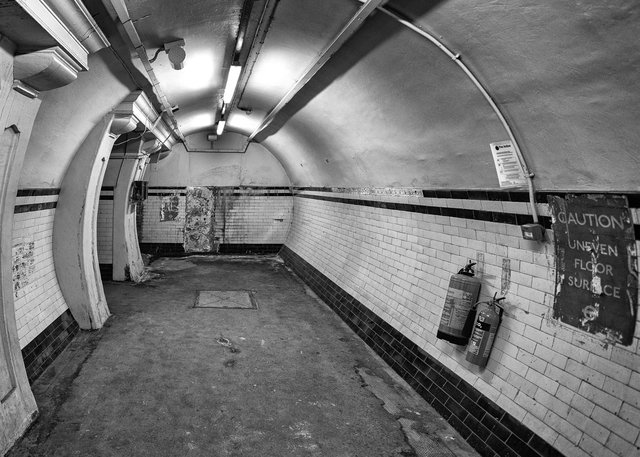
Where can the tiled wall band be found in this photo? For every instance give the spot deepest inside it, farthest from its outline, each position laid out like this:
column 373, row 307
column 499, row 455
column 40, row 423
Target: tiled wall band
column 396, row 259
column 43, row 331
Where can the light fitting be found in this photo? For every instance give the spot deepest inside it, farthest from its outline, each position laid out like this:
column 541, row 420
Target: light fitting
column 220, row 129
column 232, row 83
column 176, row 53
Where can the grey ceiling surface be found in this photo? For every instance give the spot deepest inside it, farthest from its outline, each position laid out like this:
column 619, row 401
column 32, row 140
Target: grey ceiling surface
column 389, row 108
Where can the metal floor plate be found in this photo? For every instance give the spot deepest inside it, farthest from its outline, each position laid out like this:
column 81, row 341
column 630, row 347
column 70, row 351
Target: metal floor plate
column 225, row 299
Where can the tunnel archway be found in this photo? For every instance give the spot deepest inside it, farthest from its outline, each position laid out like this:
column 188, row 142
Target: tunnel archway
column 381, row 149
column 75, row 225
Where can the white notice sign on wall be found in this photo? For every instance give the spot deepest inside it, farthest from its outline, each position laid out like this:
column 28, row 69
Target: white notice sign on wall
column 510, row 173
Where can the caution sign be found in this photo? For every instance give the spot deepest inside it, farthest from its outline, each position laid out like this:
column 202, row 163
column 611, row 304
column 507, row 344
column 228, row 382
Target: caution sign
column 597, row 268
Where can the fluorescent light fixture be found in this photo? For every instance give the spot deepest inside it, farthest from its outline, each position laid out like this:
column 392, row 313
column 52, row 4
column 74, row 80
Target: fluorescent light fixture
column 232, row 82
column 220, row 128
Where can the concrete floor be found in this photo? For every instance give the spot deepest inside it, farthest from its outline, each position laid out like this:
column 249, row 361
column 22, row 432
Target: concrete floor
column 287, row 379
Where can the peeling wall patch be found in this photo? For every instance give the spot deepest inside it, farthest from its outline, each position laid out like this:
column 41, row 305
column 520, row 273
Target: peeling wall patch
column 169, row 208
column 24, row 264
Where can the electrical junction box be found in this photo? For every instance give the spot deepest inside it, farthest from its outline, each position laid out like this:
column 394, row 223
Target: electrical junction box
column 139, row 191
column 533, row 232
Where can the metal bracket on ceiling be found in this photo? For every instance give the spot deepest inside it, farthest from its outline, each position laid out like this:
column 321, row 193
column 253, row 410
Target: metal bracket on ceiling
column 132, row 36
column 347, row 31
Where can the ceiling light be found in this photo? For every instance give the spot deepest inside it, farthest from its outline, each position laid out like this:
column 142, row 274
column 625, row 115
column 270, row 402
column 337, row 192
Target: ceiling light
column 220, row 128
column 232, row 82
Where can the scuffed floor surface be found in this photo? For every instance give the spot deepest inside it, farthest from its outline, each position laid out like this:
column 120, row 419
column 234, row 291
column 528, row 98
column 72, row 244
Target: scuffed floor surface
column 286, row 379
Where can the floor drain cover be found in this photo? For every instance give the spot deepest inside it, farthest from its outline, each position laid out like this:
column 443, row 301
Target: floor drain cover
column 228, row 299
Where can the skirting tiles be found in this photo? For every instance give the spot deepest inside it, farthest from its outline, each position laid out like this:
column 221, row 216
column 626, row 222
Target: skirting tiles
column 485, row 426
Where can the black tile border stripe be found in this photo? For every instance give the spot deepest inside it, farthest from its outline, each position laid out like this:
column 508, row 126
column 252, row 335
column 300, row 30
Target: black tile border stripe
column 235, row 194
column 488, row 216
column 480, row 215
column 224, row 187
column 34, row 207
column 166, row 188
column 45, row 347
column 265, row 194
column 106, row 197
column 177, row 249
column 250, row 248
column 106, row 271
column 166, row 194
column 221, row 187
column 483, row 424
column 37, row 192
column 490, row 195
column 162, row 249
column 520, row 196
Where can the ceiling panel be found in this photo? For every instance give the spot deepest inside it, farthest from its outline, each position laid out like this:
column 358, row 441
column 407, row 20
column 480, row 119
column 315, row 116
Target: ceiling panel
column 209, row 29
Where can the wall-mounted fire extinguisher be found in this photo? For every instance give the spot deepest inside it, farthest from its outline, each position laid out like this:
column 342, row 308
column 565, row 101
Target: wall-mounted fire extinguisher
column 488, row 318
column 456, row 320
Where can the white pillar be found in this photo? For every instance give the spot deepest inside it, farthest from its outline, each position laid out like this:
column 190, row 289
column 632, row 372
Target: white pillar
column 75, row 227
column 127, row 259
column 18, row 109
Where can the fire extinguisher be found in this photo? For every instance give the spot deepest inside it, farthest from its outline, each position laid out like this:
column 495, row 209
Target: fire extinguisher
column 488, row 318
column 455, row 322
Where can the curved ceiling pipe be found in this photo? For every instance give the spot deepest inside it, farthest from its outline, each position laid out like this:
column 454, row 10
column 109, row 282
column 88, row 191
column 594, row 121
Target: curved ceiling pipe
column 456, row 58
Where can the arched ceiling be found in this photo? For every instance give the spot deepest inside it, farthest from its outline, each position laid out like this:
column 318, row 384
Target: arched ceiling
column 363, row 100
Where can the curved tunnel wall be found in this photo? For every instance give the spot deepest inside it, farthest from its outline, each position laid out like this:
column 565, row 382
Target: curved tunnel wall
column 388, row 149
column 391, row 109
column 395, row 190
column 66, row 116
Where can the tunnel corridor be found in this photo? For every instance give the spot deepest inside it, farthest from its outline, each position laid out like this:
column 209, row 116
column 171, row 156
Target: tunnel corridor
column 279, row 375
column 441, row 197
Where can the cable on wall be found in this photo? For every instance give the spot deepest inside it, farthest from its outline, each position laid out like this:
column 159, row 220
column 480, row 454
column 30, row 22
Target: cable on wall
column 457, row 59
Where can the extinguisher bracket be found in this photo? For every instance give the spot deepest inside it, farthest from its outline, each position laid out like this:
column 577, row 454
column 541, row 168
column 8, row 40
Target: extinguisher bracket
column 468, row 270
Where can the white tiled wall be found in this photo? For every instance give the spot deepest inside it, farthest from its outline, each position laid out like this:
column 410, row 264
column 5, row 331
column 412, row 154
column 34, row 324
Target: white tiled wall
column 105, row 231
column 254, row 219
column 156, row 231
column 249, row 218
column 38, row 299
column 579, row 393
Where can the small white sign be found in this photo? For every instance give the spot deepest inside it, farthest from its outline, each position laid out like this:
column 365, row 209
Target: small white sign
column 510, row 173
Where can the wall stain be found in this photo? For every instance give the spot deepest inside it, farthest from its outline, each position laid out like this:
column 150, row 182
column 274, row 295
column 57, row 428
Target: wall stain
column 217, row 216
column 24, row 265
column 207, row 215
column 169, row 208
column 198, row 220
column 505, row 280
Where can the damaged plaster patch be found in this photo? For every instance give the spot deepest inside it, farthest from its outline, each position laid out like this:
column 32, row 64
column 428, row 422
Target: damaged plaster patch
column 169, row 208
column 24, row 264
column 208, row 211
column 197, row 237
column 505, row 280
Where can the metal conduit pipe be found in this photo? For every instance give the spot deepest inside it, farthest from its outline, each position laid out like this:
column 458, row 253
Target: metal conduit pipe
column 456, row 58
column 122, row 13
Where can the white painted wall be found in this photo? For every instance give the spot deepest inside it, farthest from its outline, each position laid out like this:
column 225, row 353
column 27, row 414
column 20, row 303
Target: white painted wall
column 256, row 167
